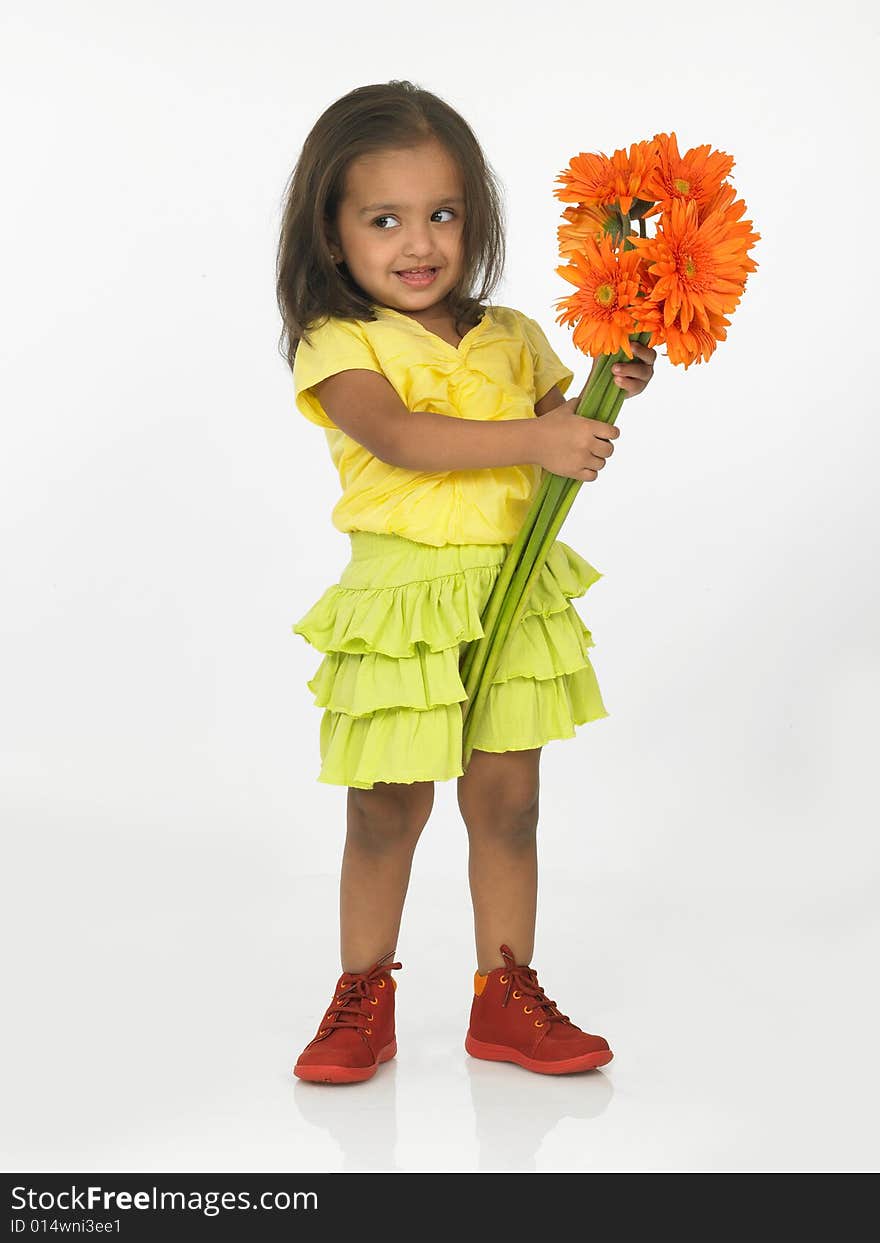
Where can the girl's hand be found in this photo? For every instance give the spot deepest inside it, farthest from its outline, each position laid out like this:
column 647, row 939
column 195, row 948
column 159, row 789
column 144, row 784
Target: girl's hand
column 565, row 443
column 635, row 376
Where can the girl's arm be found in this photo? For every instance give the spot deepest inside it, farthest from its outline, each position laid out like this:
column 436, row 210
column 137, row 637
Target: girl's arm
column 549, row 401
column 367, row 408
column 555, row 398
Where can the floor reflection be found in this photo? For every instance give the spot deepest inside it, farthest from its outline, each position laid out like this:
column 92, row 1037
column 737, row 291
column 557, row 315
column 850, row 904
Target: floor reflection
column 516, row 1109
column 361, row 1117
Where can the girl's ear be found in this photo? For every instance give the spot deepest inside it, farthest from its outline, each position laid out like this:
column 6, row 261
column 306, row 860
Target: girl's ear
column 330, row 238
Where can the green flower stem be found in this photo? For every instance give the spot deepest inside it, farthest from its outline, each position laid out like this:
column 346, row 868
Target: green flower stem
column 475, row 658
column 602, row 400
column 559, row 501
column 475, row 661
column 477, row 652
column 598, row 380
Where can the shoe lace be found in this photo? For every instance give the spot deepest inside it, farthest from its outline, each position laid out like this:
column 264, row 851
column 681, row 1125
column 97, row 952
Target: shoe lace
column 523, row 981
column 355, row 997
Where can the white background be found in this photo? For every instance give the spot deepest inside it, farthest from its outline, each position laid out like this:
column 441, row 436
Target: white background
column 709, row 861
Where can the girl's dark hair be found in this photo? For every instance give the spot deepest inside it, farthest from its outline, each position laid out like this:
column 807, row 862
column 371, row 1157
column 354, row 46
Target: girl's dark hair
column 370, row 119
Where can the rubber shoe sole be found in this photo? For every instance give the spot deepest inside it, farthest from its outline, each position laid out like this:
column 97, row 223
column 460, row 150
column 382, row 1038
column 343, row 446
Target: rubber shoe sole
column 566, row 1066
column 344, row 1074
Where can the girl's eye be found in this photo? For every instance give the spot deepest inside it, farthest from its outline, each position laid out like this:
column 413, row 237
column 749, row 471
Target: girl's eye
column 384, row 230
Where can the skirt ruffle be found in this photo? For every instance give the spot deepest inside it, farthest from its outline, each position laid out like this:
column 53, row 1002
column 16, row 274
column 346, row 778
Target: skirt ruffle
column 394, row 631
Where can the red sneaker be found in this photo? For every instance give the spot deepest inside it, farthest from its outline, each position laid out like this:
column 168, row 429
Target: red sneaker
column 357, row 1030
column 531, row 1032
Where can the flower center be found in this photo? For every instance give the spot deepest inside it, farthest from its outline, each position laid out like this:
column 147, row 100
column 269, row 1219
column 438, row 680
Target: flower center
column 604, row 295
column 682, row 186
column 690, row 267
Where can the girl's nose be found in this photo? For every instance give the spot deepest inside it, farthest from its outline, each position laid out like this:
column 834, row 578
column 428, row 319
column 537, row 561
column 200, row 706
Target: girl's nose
column 419, row 243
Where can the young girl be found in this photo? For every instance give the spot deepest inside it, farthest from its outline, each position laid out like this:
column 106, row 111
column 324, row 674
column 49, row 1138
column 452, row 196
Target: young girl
column 440, row 410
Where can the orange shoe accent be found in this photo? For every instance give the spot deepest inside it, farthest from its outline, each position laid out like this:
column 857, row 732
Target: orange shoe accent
column 356, row 1033
column 512, row 1020
column 479, row 983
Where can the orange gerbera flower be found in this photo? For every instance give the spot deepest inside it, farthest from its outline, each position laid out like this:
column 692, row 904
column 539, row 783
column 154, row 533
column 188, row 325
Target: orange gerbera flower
column 696, row 344
column 695, row 176
column 594, row 179
column 731, row 208
column 648, row 314
column 584, row 222
column 607, row 283
column 700, row 267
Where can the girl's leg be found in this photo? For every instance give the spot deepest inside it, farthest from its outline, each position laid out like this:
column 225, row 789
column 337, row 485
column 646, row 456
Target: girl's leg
column 498, row 798
column 384, row 824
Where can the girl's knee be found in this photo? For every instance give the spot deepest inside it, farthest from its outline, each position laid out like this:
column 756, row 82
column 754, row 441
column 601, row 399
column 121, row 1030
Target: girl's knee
column 390, row 813
column 513, row 830
column 500, row 794
column 510, row 817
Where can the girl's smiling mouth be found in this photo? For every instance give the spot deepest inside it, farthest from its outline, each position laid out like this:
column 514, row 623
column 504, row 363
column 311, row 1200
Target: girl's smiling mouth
column 417, row 276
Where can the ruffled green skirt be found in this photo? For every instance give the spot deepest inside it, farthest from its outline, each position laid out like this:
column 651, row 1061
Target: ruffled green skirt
column 394, row 632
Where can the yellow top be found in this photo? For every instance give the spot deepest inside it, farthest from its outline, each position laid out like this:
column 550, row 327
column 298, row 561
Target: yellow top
column 500, row 369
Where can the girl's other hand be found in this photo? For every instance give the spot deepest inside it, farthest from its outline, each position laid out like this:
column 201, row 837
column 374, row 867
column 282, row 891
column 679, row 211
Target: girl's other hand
column 635, row 376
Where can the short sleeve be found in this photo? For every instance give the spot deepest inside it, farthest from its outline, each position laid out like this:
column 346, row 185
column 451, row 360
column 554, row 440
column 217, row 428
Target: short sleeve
column 336, row 345
column 549, row 369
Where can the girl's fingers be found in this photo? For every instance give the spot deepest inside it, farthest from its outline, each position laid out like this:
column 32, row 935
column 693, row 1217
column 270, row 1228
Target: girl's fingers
column 633, row 371
column 633, row 377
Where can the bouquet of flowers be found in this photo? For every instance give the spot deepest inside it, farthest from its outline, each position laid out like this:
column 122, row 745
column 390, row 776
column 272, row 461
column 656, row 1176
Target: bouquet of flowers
column 673, row 288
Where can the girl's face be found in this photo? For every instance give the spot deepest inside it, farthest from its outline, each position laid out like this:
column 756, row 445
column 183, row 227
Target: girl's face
column 402, row 210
